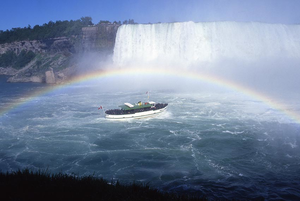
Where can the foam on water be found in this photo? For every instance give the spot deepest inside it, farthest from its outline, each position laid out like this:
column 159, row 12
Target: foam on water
column 202, row 142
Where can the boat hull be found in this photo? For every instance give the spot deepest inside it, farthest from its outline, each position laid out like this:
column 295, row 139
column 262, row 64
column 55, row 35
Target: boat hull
column 137, row 115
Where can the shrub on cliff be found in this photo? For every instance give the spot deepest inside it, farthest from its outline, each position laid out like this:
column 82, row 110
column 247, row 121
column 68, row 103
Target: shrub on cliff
column 23, row 59
column 7, row 59
column 11, row 59
column 29, row 185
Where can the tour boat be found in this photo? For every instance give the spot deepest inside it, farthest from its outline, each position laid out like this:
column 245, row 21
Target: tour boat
column 136, row 111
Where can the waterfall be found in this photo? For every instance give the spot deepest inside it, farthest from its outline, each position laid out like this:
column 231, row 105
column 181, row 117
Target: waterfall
column 191, row 43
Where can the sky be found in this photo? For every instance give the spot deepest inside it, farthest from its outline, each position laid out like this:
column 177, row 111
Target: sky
column 21, row 13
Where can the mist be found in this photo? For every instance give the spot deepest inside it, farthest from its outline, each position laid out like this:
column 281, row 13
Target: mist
column 89, row 62
column 262, row 57
column 272, row 76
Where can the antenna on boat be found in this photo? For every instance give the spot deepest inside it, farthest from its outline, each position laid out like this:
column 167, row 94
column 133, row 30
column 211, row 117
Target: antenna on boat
column 148, row 92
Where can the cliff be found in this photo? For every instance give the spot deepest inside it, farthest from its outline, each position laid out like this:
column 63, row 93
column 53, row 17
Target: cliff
column 54, row 60
column 99, row 38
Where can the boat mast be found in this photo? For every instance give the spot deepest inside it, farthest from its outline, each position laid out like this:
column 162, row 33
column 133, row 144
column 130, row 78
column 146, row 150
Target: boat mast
column 148, row 92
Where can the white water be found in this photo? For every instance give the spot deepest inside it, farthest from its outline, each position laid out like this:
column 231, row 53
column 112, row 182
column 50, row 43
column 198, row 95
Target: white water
column 220, row 144
column 190, row 43
column 224, row 145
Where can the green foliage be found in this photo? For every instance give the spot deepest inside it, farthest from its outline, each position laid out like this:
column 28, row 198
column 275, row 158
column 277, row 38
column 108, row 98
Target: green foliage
column 46, row 31
column 23, row 59
column 7, row 59
column 86, row 21
column 108, row 22
column 17, row 61
column 44, row 61
column 104, row 22
column 51, row 30
column 130, row 21
column 115, row 22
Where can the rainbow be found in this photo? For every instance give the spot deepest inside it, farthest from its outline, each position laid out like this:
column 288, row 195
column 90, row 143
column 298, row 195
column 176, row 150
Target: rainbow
column 115, row 72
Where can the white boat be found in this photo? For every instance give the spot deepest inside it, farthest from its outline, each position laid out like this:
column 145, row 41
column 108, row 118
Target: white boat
column 136, row 111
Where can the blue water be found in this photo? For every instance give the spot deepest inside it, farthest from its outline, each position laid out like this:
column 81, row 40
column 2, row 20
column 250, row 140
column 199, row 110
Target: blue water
column 223, row 145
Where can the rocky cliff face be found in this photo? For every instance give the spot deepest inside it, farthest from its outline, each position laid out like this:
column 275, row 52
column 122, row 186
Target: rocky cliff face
column 17, row 47
column 55, row 59
column 99, row 38
column 50, row 54
column 51, row 45
column 7, row 71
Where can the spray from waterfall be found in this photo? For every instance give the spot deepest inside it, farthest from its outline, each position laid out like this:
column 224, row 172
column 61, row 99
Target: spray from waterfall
column 262, row 56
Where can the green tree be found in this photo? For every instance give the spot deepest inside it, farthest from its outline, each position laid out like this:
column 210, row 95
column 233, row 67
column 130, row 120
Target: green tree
column 131, row 21
column 46, row 31
column 86, row 21
column 104, row 22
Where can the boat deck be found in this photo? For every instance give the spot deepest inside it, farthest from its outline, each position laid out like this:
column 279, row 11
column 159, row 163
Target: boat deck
column 133, row 111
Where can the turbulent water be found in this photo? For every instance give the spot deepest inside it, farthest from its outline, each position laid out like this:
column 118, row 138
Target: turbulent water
column 221, row 144
column 189, row 42
column 214, row 142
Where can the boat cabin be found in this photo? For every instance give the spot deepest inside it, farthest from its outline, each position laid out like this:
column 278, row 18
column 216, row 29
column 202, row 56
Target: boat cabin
column 139, row 105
